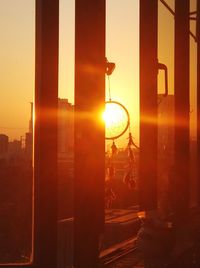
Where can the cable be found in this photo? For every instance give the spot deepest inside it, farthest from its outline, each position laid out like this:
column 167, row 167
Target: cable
column 109, row 91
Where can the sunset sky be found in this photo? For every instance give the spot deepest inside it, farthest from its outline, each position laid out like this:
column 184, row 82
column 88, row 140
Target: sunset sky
column 17, row 30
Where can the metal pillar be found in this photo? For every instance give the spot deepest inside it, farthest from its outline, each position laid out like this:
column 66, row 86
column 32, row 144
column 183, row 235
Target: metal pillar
column 148, row 104
column 182, row 107
column 89, row 131
column 198, row 94
column 45, row 134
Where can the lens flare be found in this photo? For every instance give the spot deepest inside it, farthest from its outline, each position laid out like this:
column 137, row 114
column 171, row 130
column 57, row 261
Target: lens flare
column 116, row 119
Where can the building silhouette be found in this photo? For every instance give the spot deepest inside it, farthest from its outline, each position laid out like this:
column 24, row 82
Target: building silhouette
column 3, row 144
column 65, row 128
column 29, row 136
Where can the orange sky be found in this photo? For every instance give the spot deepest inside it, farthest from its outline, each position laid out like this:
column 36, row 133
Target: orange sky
column 17, row 57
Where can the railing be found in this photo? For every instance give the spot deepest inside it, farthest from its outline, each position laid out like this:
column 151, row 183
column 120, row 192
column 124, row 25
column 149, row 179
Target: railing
column 119, row 227
column 65, row 243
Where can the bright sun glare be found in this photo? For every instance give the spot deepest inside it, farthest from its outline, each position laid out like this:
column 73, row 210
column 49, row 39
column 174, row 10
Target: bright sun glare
column 115, row 118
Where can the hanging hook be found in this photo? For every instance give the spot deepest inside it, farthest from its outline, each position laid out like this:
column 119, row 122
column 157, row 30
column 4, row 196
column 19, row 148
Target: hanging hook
column 110, row 66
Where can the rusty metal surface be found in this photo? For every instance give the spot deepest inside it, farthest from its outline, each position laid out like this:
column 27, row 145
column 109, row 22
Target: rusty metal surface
column 182, row 107
column 148, row 104
column 198, row 93
column 45, row 134
column 89, row 130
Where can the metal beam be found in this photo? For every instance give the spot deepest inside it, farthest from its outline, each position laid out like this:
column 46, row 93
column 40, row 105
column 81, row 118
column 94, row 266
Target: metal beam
column 89, row 131
column 168, row 7
column 148, row 104
column 182, row 107
column 198, row 93
column 45, row 133
column 173, row 13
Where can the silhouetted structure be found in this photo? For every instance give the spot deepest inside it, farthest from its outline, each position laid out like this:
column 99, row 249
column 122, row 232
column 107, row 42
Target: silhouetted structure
column 157, row 237
column 65, row 128
column 29, row 137
column 3, row 144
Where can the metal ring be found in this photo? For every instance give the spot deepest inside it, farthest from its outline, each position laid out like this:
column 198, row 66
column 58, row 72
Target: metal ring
column 128, row 119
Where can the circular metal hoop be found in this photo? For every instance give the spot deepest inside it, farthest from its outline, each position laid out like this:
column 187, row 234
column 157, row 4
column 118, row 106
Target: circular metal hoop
column 127, row 123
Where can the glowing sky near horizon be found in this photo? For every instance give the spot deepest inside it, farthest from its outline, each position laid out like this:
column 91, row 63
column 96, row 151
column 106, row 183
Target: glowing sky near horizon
column 17, row 30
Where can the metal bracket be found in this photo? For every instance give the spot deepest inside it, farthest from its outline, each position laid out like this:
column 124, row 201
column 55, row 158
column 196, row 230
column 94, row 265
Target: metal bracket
column 163, row 67
column 109, row 68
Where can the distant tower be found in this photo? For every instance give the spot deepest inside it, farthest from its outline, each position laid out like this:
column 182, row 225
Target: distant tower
column 65, row 128
column 3, row 144
column 29, row 136
column 31, row 119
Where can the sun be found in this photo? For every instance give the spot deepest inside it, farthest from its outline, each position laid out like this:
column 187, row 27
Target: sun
column 116, row 119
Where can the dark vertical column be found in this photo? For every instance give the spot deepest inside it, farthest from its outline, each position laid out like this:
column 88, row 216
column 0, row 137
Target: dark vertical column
column 148, row 104
column 89, row 130
column 182, row 107
column 198, row 94
column 45, row 136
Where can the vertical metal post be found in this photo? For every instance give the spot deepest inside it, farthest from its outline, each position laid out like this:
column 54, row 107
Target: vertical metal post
column 89, row 130
column 198, row 94
column 45, row 133
column 182, row 107
column 148, row 104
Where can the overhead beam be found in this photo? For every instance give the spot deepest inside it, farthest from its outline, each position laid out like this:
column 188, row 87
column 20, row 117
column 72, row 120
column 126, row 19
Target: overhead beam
column 148, row 104
column 89, row 131
column 45, row 133
column 182, row 107
column 173, row 13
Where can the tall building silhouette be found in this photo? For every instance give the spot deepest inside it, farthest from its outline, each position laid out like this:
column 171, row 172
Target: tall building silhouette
column 65, row 128
column 29, row 136
column 31, row 119
column 3, row 143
